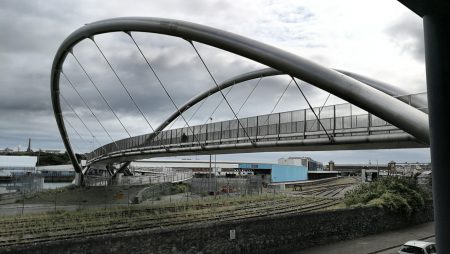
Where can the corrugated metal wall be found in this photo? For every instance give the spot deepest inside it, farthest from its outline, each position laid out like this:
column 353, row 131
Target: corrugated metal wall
column 287, row 173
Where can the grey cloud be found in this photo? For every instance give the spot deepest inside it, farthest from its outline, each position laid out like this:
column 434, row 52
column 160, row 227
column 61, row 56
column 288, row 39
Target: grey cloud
column 40, row 22
column 339, row 157
column 31, row 31
column 407, row 33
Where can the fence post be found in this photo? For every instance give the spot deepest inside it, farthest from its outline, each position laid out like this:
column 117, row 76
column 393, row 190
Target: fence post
column 334, row 120
column 257, row 128
column 220, row 136
column 237, row 132
column 279, row 125
column 304, row 124
column 23, row 201
column 56, row 193
column 351, row 116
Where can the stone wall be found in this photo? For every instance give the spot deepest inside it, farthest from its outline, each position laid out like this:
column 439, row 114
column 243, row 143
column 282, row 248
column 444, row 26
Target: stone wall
column 276, row 234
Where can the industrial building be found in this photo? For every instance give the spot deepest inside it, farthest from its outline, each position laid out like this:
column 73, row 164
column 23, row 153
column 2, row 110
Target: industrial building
column 268, row 172
column 20, row 175
column 57, row 173
column 16, row 165
column 276, row 173
column 307, row 162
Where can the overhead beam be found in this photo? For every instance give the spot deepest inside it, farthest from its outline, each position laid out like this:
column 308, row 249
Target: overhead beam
column 425, row 7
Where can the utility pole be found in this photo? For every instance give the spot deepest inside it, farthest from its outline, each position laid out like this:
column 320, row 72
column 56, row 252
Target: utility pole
column 378, row 171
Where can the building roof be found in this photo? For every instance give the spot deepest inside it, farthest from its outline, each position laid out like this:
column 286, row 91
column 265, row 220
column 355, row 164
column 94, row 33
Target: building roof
column 18, row 161
column 68, row 167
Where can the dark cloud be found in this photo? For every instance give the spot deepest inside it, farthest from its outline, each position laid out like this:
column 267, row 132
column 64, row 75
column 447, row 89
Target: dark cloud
column 407, row 33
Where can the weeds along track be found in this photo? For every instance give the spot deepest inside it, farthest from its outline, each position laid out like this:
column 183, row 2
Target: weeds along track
column 66, row 226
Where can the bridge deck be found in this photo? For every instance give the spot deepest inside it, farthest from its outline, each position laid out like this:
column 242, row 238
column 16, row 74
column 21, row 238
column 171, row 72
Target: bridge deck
column 340, row 125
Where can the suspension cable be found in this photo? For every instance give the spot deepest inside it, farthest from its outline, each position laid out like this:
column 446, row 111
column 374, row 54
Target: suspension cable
column 218, row 105
column 75, row 130
column 162, row 85
column 210, row 116
column 98, row 90
column 276, row 104
column 87, row 105
column 312, row 110
column 196, row 110
column 282, row 94
column 212, row 113
column 217, row 85
column 78, row 116
column 123, row 85
column 320, row 111
column 248, row 96
column 173, row 122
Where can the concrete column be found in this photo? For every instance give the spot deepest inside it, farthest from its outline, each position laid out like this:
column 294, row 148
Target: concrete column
column 437, row 49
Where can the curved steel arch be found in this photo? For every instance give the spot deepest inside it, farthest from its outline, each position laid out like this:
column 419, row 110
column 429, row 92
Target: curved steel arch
column 349, row 89
column 269, row 72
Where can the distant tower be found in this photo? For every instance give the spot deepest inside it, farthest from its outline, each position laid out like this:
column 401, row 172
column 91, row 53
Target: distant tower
column 331, row 165
column 29, row 146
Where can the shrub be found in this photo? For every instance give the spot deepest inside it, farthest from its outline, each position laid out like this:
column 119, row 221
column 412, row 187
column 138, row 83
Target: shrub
column 392, row 193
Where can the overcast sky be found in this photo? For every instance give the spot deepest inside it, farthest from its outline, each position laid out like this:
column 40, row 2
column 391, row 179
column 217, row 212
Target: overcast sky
column 379, row 39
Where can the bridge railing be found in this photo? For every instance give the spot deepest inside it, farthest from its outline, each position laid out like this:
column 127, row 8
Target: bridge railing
column 335, row 120
column 418, row 100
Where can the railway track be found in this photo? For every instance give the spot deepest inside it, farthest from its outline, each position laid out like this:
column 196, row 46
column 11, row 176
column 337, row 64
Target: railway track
column 49, row 223
column 329, row 191
column 24, row 233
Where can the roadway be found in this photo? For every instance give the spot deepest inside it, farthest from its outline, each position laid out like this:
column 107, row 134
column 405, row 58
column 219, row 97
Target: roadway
column 383, row 243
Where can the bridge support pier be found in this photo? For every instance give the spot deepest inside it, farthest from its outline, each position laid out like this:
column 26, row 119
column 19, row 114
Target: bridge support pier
column 78, row 179
column 437, row 49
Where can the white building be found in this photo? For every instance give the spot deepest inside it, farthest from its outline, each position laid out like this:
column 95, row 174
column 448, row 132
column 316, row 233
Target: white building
column 17, row 165
column 307, row 162
column 297, row 161
column 199, row 167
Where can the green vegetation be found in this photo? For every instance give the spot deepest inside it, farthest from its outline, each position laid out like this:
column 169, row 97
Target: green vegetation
column 392, row 193
column 179, row 188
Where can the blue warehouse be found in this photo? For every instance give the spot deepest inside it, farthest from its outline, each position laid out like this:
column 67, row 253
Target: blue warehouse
column 276, row 173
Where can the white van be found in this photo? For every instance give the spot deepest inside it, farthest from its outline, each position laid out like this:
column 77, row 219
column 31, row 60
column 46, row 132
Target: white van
column 418, row 247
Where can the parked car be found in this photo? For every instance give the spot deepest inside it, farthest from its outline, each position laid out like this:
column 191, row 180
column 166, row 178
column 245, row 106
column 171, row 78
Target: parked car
column 418, row 247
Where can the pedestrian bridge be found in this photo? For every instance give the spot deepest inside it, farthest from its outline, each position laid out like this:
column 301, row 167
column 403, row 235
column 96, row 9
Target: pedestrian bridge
column 377, row 116
column 333, row 127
